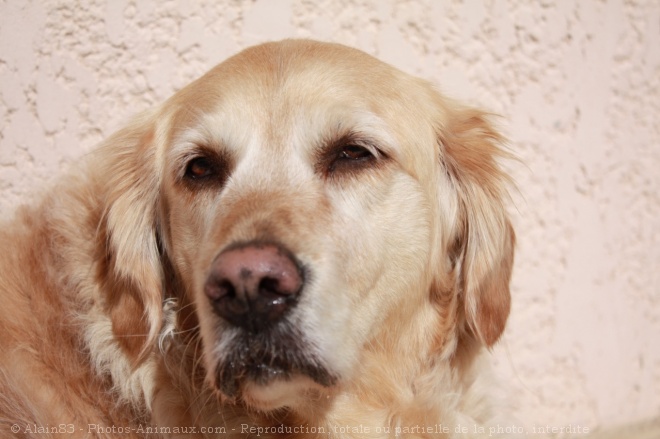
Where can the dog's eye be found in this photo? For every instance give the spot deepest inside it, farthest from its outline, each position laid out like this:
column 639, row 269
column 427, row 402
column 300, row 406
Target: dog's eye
column 199, row 168
column 347, row 156
column 205, row 169
column 350, row 158
column 355, row 153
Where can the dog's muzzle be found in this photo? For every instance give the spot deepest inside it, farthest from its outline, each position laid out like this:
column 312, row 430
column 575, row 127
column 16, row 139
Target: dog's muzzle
column 253, row 286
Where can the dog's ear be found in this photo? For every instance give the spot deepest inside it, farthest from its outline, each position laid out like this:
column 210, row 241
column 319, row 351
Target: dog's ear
column 130, row 270
column 483, row 241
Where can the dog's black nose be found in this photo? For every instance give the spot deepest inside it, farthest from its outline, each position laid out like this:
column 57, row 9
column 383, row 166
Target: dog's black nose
column 253, row 285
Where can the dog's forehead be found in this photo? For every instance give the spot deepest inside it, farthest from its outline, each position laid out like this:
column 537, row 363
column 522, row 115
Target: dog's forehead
column 312, row 65
column 297, row 93
column 277, row 83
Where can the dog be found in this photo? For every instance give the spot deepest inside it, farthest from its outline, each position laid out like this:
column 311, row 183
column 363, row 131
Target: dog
column 304, row 242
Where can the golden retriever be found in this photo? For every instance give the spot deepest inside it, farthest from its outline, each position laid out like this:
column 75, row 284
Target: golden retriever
column 304, row 242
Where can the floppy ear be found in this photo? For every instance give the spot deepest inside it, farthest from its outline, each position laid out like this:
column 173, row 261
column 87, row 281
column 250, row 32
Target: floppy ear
column 130, row 271
column 483, row 242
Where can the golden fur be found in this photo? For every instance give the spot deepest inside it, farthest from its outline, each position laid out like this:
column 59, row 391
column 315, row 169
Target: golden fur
column 103, row 320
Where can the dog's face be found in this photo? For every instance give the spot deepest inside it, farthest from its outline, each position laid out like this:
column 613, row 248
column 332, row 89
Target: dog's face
column 313, row 202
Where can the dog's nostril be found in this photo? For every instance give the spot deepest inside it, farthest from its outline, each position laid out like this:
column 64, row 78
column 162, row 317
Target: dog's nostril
column 269, row 285
column 254, row 285
column 218, row 289
column 227, row 289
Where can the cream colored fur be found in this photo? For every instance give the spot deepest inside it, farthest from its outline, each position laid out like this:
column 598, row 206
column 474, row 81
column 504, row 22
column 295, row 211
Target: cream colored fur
column 104, row 322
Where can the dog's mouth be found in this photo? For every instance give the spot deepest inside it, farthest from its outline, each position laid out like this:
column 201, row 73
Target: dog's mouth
column 261, row 359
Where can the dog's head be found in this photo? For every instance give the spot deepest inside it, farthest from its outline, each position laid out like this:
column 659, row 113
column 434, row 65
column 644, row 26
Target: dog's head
column 310, row 204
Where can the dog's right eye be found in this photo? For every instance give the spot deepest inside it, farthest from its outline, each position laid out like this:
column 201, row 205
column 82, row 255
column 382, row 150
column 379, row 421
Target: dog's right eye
column 205, row 169
column 199, row 168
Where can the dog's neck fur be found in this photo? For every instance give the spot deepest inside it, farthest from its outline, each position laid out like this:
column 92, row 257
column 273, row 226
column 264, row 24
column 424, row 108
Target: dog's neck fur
column 410, row 399
column 419, row 395
column 42, row 337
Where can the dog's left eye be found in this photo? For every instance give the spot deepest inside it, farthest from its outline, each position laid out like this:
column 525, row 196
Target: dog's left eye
column 350, row 158
column 348, row 155
column 355, row 153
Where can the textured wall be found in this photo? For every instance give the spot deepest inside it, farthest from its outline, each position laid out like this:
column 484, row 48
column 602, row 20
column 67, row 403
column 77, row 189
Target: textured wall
column 578, row 84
